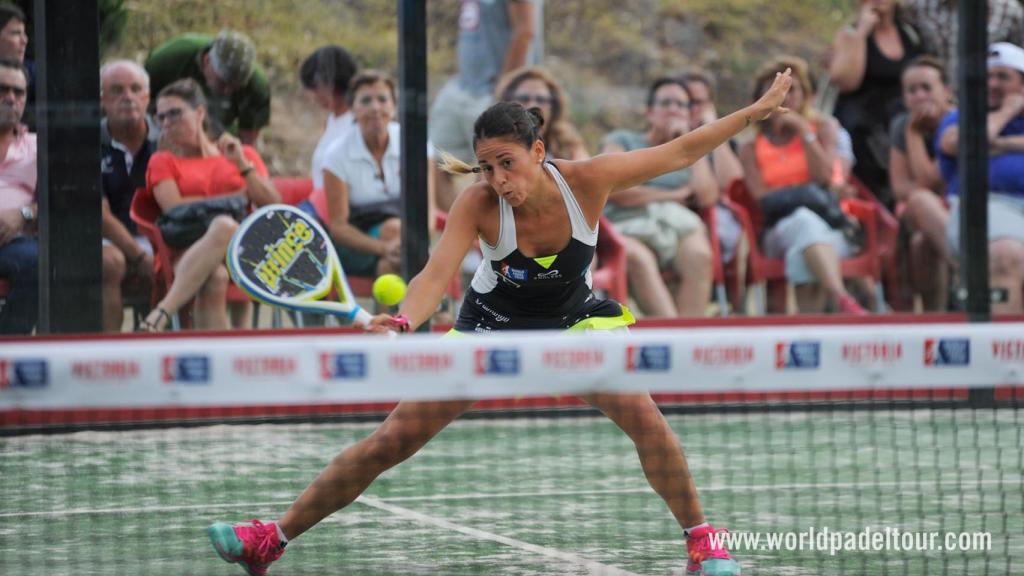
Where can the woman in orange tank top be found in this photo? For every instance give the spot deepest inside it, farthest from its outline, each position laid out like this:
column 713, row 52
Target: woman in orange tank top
column 795, row 150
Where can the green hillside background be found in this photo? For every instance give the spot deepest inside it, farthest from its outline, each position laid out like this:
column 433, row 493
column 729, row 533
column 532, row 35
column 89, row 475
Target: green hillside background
column 604, row 51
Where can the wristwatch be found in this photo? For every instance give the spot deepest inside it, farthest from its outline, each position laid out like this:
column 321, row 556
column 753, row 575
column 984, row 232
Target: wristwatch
column 26, row 213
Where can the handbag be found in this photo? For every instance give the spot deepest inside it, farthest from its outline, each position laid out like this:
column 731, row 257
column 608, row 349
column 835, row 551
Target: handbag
column 182, row 225
column 783, row 202
column 366, row 216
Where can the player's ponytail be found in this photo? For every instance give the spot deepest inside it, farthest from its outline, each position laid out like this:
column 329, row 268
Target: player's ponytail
column 452, row 165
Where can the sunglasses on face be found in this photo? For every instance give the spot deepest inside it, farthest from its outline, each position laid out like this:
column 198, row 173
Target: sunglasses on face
column 18, row 91
column 526, row 99
column 172, row 114
column 369, row 98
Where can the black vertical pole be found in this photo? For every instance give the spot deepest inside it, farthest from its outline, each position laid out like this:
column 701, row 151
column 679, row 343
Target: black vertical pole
column 67, row 101
column 973, row 161
column 412, row 72
column 973, row 158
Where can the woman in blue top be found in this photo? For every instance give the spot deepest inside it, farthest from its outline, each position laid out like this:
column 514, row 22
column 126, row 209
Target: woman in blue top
column 537, row 223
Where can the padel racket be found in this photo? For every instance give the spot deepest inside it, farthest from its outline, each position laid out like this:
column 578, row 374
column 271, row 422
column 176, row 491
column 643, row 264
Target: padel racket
column 281, row 256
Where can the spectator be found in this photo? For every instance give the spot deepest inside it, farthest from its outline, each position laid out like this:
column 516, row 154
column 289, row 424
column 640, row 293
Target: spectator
column 225, row 67
column 659, row 230
column 326, row 74
column 791, row 161
column 495, row 38
column 360, row 202
column 868, row 57
column 1005, row 174
column 939, row 24
column 13, row 43
column 192, row 169
column 128, row 137
column 701, row 86
column 915, row 178
column 18, row 250
column 534, row 86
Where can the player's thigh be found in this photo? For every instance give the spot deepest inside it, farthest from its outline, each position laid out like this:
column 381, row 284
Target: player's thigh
column 421, row 420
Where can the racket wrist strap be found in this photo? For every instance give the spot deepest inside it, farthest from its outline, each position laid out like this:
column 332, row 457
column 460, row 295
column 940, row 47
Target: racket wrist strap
column 401, row 322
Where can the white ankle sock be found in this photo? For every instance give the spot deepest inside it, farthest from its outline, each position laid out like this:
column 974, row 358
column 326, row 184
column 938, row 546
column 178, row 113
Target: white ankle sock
column 280, row 535
column 688, row 531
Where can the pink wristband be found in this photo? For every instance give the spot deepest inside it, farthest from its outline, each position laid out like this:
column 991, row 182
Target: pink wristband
column 401, row 322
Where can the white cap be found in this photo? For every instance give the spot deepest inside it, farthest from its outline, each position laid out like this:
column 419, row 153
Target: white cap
column 1006, row 54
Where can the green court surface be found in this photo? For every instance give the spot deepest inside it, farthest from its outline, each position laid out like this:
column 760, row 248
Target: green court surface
column 526, row 496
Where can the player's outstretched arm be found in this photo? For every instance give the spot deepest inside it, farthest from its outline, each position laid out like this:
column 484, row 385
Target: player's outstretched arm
column 625, row 170
column 427, row 288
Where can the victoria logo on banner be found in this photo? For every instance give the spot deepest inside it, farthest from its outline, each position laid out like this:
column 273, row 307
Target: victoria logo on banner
column 947, row 352
column 25, row 373
column 798, row 355
column 343, row 366
column 648, row 358
column 497, row 362
column 188, row 369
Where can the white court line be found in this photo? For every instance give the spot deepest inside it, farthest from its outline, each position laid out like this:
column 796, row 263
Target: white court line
column 592, row 566
column 540, row 494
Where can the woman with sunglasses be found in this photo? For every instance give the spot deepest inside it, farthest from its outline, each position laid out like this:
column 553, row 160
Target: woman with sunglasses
column 360, row 201
column 535, row 87
column 660, row 229
column 191, row 167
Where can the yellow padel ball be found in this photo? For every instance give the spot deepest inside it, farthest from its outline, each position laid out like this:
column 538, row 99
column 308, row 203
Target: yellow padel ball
column 389, row 289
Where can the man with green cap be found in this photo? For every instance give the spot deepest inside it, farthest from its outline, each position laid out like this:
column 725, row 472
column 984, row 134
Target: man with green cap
column 236, row 88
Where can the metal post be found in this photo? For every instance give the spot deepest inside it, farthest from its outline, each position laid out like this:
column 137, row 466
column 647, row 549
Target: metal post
column 412, row 72
column 973, row 159
column 67, row 100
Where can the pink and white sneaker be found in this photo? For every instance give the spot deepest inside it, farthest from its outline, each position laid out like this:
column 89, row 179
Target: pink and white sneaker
column 254, row 544
column 708, row 556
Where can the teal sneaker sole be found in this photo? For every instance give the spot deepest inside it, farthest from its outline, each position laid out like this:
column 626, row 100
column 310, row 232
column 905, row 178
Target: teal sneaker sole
column 720, row 567
column 225, row 543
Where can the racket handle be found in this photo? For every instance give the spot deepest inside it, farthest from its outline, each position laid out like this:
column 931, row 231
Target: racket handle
column 362, row 316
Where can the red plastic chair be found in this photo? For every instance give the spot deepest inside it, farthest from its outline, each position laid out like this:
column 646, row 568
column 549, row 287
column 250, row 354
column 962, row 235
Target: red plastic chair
column 293, row 190
column 144, row 211
column 729, row 277
column 888, row 244
column 610, row 274
column 772, row 272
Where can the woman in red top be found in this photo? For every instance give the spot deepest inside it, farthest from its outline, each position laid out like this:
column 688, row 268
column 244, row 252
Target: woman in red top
column 191, row 167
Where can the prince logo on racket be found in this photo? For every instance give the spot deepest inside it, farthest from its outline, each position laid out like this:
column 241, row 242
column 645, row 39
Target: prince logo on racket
column 281, row 255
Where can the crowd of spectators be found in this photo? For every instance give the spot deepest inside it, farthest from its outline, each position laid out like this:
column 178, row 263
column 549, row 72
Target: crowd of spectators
column 891, row 141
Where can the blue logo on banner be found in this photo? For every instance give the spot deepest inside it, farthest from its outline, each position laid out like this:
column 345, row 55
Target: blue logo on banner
column 947, row 352
column 29, row 373
column 649, row 358
column 504, row 362
column 187, row 369
column 343, row 366
column 801, row 355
